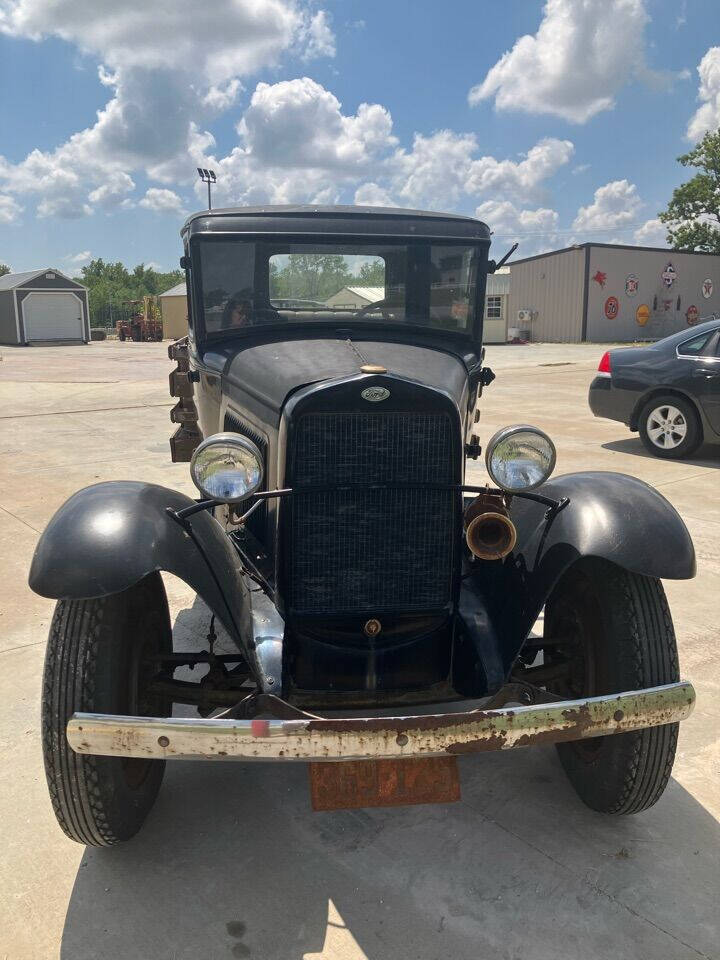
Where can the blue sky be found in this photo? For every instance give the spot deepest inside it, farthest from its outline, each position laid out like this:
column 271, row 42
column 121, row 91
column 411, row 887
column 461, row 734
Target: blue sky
column 557, row 122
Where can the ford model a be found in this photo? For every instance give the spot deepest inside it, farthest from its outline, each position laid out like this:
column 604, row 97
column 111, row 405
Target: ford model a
column 382, row 605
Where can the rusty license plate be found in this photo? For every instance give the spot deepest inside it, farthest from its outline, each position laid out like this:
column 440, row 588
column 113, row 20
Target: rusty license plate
column 350, row 784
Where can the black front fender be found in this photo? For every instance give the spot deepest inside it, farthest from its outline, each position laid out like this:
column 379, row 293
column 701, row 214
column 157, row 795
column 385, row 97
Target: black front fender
column 107, row 537
column 609, row 515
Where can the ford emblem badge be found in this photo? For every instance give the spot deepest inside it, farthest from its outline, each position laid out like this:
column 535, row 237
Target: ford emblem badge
column 375, row 394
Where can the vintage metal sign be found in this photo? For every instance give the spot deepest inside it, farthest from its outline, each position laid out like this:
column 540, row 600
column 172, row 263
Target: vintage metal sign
column 669, row 275
column 600, row 278
column 632, row 284
column 707, row 288
column 642, row 314
column 612, row 307
column 692, row 314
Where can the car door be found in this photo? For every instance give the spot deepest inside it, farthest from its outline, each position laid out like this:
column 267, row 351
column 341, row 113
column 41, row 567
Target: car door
column 706, row 381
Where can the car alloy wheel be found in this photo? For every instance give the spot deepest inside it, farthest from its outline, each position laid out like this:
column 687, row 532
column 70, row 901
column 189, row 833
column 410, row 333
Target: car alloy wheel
column 667, row 427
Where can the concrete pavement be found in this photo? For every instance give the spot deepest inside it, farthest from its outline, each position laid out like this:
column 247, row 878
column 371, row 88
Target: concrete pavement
column 231, row 862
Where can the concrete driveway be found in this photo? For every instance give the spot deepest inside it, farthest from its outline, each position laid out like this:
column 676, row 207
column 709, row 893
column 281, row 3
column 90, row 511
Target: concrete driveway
column 231, row 862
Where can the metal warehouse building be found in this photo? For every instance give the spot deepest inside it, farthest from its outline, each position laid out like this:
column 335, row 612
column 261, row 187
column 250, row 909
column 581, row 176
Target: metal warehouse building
column 601, row 292
column 43, row 306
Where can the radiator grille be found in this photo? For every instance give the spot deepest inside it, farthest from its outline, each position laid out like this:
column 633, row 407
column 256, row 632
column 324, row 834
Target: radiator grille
column 365, row 550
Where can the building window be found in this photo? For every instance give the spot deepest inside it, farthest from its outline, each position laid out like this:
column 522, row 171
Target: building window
column 493, row 308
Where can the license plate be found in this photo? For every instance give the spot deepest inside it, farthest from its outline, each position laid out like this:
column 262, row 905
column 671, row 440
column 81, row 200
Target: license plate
column 350, row 784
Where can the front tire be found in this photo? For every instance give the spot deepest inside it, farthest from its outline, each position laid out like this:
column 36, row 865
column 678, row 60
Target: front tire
column 669, row 427
column 95, row 663
column 613, row 631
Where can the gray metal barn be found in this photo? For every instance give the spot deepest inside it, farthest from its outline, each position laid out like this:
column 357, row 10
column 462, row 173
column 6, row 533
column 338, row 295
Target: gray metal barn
column 43, row 306
column 602, row 292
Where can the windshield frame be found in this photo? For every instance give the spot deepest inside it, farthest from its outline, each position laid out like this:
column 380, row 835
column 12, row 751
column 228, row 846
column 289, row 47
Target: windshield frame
column 472, row 335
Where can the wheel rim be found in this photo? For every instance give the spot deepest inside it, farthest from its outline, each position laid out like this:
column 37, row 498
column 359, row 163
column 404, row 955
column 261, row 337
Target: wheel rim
column 667, row 427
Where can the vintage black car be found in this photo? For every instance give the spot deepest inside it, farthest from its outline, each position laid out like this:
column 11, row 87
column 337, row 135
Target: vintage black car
column 668, row 391
column 382, row 608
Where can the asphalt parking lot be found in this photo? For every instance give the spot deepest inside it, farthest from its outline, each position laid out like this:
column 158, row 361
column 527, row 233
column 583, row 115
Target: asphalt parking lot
column 231, row 862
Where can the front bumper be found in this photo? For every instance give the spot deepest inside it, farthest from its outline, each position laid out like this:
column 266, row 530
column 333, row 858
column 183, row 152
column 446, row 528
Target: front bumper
column 315, row 738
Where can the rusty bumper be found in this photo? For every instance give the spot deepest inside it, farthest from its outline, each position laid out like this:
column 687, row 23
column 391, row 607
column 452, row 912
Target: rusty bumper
column 315, row 738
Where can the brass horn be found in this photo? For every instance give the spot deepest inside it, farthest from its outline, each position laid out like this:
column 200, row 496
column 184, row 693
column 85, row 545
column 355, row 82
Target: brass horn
column 489, row 531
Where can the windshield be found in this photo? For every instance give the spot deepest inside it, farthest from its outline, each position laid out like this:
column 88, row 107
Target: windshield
column 248, row 283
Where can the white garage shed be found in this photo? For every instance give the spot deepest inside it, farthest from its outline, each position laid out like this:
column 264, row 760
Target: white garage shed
column 43, row 306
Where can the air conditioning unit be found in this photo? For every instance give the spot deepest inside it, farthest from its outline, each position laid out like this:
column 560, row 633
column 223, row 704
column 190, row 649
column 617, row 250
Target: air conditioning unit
column 524, row 316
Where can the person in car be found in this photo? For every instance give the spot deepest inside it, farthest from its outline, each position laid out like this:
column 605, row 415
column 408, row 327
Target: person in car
column 238, row 312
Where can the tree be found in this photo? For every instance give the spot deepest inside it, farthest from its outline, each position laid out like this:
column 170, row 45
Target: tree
column 4, row 268
column 372, row 274
column 693, row 214
column 110, row 285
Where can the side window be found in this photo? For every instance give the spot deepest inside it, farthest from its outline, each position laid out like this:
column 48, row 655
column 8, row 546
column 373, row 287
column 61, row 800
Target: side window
column 694, row 347
column 493, row 308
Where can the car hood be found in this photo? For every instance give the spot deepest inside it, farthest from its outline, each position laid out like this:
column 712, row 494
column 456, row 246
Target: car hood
column 270, row 372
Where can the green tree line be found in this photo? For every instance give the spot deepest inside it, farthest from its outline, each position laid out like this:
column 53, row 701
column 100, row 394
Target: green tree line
column 111, row 284
column 318, row 276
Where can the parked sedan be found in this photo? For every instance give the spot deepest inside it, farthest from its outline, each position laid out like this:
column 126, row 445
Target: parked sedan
column 669, row 391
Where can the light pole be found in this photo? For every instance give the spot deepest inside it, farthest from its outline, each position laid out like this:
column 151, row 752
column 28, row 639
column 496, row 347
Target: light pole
column 208, row 177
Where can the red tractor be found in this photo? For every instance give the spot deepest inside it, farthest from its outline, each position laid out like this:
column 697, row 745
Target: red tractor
column 143, row 324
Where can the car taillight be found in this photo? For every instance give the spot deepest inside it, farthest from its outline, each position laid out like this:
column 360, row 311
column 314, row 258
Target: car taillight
column 604, row 365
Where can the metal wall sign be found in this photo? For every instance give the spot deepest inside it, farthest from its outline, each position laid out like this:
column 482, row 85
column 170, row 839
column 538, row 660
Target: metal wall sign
column 642, row 314
column 632, row 284
column 600, row 278
column 691, row 315
column 612, row 307
column 707, row 288
column 669, row 275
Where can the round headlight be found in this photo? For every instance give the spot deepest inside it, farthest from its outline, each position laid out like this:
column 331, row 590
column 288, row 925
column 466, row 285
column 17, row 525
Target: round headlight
column 227, row 467
column 520, row 458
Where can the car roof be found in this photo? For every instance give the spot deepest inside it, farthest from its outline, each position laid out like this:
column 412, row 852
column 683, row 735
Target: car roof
column 688, row 334
column 339, row 220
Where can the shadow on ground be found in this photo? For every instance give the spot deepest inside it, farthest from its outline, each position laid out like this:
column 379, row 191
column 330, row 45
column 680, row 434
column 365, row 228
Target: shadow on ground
column 707, row 456
column 233, row 863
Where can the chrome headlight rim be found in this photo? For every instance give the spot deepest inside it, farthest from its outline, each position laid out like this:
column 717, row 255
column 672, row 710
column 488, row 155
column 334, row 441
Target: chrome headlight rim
column 233, row 440
column 505, row 433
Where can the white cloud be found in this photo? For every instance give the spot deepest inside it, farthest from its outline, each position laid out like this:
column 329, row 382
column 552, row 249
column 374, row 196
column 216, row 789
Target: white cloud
column 162, row 201
column 582, row 54
column 114, row 191
column 78, row 259
column 371, row 194
column 615, row 205
column 707, row 116
column 170, row 69
column 10, row 209
column 224, row 39
column 296, row 144
column 441, row 168
column 435, row 172
column 521, row 179
column 653, row 233
column 318, row 37
column 535, row 230
column 221, row 97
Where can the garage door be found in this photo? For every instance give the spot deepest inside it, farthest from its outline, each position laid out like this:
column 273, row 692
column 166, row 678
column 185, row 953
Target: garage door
column 52, row 316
